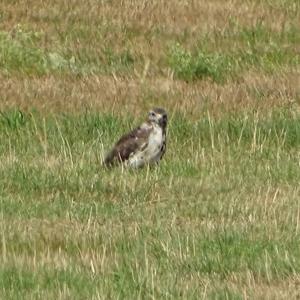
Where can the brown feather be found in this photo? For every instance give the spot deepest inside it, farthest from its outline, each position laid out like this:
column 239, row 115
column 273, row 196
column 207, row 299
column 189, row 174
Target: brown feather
column 128, row 144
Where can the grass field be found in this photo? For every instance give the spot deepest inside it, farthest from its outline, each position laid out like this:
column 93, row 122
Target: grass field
column 219, row 218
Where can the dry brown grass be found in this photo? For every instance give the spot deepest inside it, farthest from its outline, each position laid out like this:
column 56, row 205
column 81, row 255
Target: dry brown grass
column 106, row 94
column 172, row 16
column 146, row 28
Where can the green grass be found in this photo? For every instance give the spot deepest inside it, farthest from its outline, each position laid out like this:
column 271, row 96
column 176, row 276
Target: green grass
column 254, row 48
column 212, row 55
column 20, row 51
column 223, row 204
column 218, row 218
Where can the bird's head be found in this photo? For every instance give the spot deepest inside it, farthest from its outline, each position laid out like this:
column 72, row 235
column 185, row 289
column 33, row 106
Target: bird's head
column 158, row 116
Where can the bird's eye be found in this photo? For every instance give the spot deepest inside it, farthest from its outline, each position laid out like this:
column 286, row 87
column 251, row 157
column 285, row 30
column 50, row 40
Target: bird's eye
column 152, row 114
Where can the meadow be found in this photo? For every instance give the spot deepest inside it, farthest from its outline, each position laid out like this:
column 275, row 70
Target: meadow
column 219, row 218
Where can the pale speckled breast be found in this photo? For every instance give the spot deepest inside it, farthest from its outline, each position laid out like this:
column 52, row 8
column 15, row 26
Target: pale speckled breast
column 155, row 144
column 152, row 153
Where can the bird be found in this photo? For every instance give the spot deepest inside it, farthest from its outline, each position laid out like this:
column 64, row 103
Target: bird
column 144, row 145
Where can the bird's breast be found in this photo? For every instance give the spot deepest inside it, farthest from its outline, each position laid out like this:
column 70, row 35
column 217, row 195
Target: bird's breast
column 156, row 140
column 152, row 152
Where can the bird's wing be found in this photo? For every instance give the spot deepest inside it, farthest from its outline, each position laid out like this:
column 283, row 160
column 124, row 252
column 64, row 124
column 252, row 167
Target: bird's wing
column 130, row 143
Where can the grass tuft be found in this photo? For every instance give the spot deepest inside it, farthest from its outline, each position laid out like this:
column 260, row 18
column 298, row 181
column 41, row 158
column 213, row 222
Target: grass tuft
column 190, row 67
